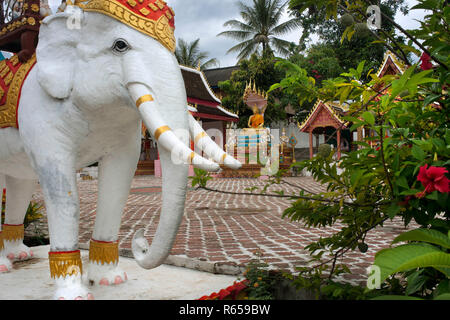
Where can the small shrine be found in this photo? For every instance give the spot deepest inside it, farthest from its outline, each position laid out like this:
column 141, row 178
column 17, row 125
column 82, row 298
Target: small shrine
column 326, row 118
column 256, row 147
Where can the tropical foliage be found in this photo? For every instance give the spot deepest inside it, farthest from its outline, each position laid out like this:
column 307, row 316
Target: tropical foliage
column 260, row 29
column 400, row 172
column 190, row 55
column 262, row 72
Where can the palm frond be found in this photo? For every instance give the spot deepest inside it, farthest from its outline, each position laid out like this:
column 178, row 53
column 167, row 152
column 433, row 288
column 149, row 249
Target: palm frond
column 260, row 24
column 237, row 35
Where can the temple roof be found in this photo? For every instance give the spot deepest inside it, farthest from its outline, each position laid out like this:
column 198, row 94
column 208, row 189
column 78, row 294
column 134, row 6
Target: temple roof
column 197, row 85
column 324, row 115
column 217, row 75
column 201, row 97
column 391, row 65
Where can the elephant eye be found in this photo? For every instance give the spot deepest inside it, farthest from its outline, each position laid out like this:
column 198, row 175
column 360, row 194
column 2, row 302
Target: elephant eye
column 121, row 46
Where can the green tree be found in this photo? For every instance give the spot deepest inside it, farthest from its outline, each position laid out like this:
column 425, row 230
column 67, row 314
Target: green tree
column 260, row 29
column 400, row 172
column 320, row 61
column 190, row 55
column 318, row 19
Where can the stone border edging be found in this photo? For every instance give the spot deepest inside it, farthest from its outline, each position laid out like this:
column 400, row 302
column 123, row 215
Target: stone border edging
column 225, row 268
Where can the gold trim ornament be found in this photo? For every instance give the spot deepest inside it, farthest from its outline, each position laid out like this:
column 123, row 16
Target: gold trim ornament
column 199, row 137
column 103, row 252
column 160, row 131
column 2, row 245
column 13, row 232
column 13, row 75
column 63, row 264
column 143, row 99
column 151, row 17
column 191, row 157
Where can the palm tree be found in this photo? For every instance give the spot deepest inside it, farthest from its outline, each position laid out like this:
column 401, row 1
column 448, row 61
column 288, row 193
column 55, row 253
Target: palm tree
column 260, row 28
column 189, row 54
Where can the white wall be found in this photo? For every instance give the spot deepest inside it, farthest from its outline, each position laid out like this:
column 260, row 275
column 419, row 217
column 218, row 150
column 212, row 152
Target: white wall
column 302, row 137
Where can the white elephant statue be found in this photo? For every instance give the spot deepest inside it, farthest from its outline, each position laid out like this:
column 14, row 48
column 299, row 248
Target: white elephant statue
column 81, row 100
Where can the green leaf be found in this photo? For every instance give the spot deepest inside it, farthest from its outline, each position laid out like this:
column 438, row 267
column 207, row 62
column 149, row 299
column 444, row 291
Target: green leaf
column 433, row 196
column 369, row 117
column 418, row 153
column 444, row 270
column 402, row 182
column 409, row 256
column 360, row 68
column 425, row 235
column 415, row 282
column 430, row 99
column 393, row 210
column 394, row 297
column 445, row 296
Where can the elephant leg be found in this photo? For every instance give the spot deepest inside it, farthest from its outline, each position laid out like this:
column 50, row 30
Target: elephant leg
column 18, row 197
column 5, row 264
column 58, row 182
column 115, row 176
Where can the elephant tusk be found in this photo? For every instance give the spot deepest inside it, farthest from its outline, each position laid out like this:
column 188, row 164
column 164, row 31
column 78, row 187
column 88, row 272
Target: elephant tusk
column 163, row 134
column 207, row 145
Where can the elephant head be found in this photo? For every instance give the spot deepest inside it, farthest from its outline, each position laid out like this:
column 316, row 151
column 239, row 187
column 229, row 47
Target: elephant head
column 101, row 58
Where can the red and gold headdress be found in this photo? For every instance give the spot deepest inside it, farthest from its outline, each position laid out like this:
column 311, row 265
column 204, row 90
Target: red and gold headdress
column 152, row 17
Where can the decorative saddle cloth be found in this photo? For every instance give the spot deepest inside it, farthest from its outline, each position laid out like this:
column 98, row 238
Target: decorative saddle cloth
column 12, row 75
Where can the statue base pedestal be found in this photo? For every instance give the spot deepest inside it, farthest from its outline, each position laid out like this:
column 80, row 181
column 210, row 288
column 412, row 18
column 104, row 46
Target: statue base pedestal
column 30, row 280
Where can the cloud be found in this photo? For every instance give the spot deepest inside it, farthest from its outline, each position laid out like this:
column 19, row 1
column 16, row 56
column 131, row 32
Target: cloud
column 204, row 19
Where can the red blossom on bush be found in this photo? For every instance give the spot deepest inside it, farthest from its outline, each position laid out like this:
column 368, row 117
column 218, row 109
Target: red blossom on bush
column 406, row 201
column 230, row 293
column 433, row 178
column 426, row 62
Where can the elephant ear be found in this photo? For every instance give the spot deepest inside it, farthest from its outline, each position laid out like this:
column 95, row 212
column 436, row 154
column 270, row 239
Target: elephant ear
column 56, row 52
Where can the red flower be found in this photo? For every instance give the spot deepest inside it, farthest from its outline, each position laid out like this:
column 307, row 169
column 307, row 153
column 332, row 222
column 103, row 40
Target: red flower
column 231, row 292
column 426, row 62
column 433, row 178
column 406, row 201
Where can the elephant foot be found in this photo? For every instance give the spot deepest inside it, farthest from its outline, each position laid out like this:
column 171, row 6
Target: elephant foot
column 71, row 288
column 5, row 264
column 17, row 251
column 106, row 274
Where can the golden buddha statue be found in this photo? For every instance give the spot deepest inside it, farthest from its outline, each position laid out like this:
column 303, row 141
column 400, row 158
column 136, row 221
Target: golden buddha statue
column 256, row 100
column 256, row 121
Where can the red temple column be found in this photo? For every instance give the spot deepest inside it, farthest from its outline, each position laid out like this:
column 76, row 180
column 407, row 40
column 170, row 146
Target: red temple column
column 311, row 151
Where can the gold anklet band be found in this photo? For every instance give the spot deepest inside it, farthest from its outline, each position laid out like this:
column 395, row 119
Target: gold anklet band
column 13, row 232
column 64, row 264
column 103, row 252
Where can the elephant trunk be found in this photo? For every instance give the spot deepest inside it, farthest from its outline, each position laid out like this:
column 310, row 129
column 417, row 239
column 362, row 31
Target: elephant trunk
column 175, row 157
column 172, row 210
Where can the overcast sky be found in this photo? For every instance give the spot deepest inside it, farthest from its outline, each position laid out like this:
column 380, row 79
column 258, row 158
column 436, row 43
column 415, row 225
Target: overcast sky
column 204, row 19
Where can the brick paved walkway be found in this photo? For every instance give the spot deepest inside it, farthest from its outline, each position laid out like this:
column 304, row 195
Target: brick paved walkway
column 226, row 230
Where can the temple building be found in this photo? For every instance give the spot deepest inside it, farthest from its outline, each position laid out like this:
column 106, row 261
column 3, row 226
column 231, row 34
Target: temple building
column 217, row 75
column 325, row 121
